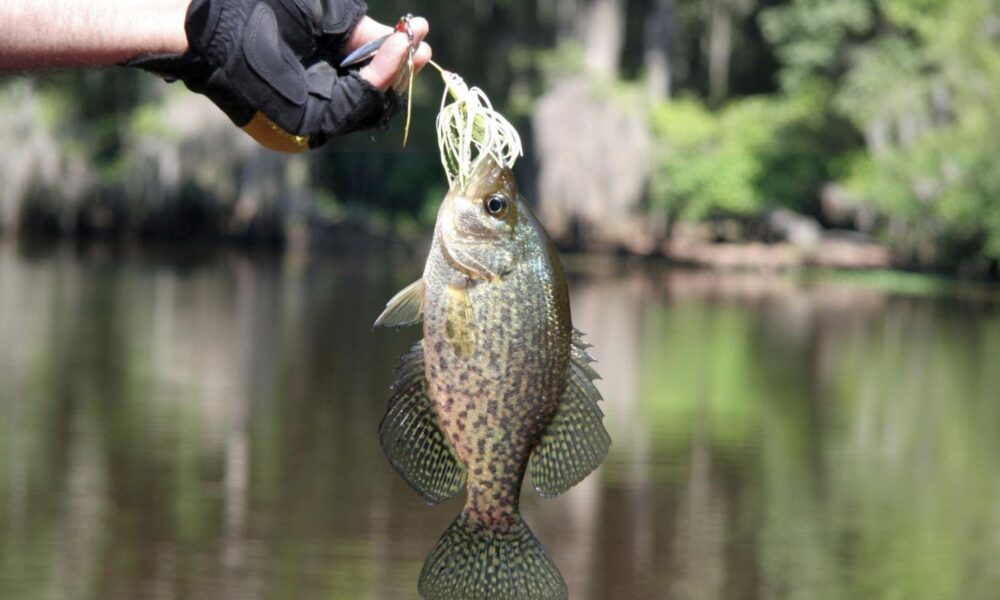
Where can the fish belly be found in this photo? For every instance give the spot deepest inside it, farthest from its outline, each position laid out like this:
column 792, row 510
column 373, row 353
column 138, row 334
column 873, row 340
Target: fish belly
column 494, row 402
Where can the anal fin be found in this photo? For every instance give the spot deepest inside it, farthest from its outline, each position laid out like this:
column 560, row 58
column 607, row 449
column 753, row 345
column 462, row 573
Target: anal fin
column 412, row 439
column 575, row 442
column 405, row 308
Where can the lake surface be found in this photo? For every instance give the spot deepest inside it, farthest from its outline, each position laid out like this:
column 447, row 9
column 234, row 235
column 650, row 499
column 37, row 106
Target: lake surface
column 204, row 427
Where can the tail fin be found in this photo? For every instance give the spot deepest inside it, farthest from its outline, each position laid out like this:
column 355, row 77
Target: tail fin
column 471, row 562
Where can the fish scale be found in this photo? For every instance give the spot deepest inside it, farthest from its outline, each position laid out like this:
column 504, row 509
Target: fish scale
column 500, row 385
column 494, row 405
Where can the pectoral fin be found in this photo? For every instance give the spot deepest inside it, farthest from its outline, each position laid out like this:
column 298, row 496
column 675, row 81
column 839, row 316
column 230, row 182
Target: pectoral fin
column 405, row 308
column 575, row 441
column 411, row 438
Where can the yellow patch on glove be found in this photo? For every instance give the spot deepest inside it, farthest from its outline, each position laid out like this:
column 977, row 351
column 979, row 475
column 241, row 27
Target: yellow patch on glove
column 270, row 135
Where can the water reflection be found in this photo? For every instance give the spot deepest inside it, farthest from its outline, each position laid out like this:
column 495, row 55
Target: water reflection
column 174, row 428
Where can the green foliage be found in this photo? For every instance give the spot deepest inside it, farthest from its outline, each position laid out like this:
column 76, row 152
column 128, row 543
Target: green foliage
column 920, row 81
column 865, row 98
column 813, row 36
column 754, row 153
column 927, row 99
column 939, row 189
column 706, row 164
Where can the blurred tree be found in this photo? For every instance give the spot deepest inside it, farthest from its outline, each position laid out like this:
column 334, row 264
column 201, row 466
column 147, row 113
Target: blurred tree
column 926, row 96
column 815, row 37
column 659, row 40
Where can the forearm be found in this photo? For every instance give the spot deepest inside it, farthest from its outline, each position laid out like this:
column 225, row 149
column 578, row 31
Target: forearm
column 38, row 34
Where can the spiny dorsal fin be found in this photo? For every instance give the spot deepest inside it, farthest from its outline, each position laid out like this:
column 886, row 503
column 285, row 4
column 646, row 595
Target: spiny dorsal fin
column 411, row 438
column 473, row 562
column 405, row 308
column 575, row 441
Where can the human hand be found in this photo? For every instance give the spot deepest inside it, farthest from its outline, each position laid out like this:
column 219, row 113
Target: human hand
column 388, row 63
column 270, row 66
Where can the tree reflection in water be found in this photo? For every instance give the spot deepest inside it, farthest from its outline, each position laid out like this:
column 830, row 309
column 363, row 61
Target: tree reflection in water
column 205, row 428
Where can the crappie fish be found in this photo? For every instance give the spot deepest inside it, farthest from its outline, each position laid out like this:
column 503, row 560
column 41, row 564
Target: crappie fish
column 500, row 385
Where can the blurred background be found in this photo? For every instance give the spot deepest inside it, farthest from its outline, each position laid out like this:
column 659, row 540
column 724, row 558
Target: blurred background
column 847, row 133
column 781, row 229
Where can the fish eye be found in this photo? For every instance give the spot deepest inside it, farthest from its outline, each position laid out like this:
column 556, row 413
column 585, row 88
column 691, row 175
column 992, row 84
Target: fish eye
column 496, row 205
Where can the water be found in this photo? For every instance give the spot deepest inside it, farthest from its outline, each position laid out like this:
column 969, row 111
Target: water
column 180, row 427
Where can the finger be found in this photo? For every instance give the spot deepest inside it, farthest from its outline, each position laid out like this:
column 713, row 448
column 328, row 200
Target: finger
column 422, row 56
column 420, row 28
column 365, row 31
column 387, row 61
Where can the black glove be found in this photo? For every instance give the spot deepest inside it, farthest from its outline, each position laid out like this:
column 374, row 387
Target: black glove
column 267, row 64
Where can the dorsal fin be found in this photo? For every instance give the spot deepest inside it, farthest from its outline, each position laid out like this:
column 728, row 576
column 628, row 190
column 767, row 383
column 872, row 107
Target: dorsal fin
column 575, row 442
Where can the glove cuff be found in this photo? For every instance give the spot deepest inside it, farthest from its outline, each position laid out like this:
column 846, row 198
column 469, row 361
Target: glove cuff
column 200, row 23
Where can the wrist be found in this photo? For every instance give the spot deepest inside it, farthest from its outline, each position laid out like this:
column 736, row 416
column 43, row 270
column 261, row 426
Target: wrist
column 150, row 27
column 172, row 37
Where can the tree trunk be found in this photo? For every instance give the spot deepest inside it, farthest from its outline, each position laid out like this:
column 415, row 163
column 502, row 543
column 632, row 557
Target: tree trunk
column 720, row 47
column 598, row 26
column 659, row 40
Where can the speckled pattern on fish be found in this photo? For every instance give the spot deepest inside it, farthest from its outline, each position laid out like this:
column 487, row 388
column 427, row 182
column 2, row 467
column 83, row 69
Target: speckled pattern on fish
column 499, row 384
